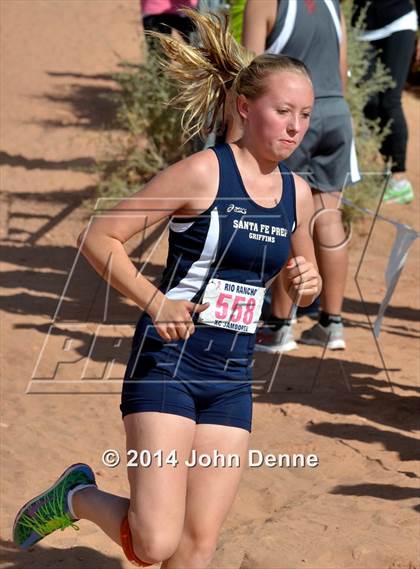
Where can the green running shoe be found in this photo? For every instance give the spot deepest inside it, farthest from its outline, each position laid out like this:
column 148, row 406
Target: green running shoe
column 49, row 511
column 399, row 192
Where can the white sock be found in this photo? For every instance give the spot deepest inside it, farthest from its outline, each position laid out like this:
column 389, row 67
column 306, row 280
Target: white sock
column 70, row 497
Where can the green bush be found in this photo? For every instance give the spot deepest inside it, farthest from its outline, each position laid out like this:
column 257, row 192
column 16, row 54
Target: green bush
column 149, row 134
column 237, row 8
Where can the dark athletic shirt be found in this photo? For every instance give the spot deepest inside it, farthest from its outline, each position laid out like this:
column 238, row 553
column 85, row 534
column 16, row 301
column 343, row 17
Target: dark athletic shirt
column 235, row 239
column 380, row 13
column 310, row 30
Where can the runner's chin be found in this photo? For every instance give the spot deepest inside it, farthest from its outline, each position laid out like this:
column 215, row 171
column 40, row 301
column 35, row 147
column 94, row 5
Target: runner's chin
column 284, row 149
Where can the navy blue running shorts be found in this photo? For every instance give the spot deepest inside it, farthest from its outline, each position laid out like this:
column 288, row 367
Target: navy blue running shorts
column 206, row 378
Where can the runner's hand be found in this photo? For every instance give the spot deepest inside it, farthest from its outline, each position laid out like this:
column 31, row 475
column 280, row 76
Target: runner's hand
column 302, row 276
column 173, row 319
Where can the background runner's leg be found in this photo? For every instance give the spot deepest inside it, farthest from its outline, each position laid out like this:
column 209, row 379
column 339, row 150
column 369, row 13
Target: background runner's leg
column 332, row 255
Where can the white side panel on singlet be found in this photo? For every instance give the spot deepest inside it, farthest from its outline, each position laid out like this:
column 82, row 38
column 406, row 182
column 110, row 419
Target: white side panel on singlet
column 196, row 275
column 335, row 18
column 287, row 30
column 180, row 227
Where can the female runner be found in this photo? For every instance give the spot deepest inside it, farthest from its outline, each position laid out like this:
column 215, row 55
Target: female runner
column 237, row 217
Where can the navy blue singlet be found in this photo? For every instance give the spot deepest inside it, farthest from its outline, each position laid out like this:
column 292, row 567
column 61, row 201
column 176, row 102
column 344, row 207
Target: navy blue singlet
column 207, row 378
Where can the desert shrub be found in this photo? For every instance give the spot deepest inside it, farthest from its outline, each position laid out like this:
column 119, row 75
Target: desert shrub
column 148, row 136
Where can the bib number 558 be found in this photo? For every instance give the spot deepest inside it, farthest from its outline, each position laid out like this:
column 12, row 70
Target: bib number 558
column 242, row 309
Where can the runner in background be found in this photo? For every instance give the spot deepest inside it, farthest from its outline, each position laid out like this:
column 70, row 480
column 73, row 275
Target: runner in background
column 315, row 33
column 391, row 29
column 164, row 15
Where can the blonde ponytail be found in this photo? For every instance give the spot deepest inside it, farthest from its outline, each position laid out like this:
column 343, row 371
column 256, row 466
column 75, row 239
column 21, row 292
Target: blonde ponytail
column 207, row 72
column 203, row 73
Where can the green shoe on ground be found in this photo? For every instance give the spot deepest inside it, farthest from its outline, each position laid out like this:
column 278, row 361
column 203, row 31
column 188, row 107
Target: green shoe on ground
column 49, row 511
column 399, row 192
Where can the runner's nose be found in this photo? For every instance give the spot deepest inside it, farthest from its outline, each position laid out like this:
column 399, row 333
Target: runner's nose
column 293, row 125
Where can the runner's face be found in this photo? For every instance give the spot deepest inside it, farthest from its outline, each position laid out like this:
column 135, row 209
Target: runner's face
column 279, row 119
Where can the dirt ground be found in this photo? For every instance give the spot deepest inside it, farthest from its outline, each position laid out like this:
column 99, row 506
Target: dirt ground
column 356, row 410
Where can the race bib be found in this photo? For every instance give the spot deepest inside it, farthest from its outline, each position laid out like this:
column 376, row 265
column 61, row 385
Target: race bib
column 233, row 306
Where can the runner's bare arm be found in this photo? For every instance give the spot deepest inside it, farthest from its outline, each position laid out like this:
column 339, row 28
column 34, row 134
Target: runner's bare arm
column 259, row 18
column 343, row 53
column 301, row 277
column 185, row 188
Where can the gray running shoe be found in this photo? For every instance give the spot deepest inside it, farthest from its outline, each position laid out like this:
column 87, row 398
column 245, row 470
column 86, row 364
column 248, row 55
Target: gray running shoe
column 331, row 335
column 275, row 340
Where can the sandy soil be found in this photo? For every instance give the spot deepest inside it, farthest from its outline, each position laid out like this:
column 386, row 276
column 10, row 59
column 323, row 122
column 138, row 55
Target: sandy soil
column 358, row 411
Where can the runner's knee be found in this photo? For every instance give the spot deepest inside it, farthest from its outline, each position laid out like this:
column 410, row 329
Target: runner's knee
column 152, row 544
column 199, row 546
column 329, row 229
column 153, row 548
